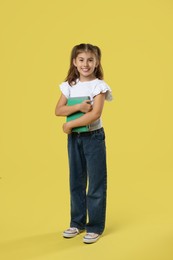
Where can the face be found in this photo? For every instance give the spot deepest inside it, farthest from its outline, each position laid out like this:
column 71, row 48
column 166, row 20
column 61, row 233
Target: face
column 85, row 63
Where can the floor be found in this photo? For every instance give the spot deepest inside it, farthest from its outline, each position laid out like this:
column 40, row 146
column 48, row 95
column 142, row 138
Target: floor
column 139, row 227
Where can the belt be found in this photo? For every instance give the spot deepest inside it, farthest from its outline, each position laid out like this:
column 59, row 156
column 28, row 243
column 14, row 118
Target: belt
column 87, row 133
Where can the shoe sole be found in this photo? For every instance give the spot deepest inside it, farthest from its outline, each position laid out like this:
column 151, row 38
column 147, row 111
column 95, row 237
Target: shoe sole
column 66, row 235
column 90, row 240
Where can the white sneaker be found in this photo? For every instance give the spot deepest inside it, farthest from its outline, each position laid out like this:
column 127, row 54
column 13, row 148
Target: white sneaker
column 71, row 232
column 90, row 238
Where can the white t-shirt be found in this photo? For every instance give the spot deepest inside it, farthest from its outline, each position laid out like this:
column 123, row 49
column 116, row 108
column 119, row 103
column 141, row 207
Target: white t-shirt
column 87, row 88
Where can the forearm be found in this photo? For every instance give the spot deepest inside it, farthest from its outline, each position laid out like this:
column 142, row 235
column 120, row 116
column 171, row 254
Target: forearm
column 86, row 119
column 66, row 110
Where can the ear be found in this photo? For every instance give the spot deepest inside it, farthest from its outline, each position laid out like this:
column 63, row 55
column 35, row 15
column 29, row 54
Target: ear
column 74, row 62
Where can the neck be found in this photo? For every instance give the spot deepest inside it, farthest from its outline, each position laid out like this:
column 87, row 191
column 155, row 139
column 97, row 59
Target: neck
column 82, row 79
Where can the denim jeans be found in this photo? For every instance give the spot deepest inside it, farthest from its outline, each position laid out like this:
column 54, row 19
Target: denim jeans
column 88, row 180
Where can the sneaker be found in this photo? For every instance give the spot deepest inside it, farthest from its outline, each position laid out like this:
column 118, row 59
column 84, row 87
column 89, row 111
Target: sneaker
column 71, row 232
column 91, row 238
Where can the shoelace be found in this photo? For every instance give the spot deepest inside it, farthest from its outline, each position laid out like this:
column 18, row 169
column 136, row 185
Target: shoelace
column 73, row 229
column 92, row 235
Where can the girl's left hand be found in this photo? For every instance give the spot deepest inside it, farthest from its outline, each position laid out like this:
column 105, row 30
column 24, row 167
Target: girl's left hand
column 66, row 128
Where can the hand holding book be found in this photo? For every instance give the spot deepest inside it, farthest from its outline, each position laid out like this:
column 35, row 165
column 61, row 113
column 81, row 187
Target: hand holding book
column 85, row 106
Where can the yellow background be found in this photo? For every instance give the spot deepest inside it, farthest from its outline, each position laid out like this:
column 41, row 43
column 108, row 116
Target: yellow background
column 137, row 44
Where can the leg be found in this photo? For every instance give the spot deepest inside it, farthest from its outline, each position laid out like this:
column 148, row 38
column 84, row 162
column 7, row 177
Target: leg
column 78, row 182
column 95, row 154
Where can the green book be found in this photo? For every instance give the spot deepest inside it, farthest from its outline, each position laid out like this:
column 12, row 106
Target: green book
column 73, row 101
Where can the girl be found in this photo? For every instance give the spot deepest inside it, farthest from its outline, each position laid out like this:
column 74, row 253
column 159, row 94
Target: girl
column 86, row 150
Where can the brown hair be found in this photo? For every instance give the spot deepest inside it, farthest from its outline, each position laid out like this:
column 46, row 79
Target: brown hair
column 73, row 74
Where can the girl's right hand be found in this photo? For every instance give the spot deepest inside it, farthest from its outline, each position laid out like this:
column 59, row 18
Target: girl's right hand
column 86, row 106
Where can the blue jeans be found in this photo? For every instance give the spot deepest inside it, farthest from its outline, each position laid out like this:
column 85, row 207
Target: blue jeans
column 88, row 180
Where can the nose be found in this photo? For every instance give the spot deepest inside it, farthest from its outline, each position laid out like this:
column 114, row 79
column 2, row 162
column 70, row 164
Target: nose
column 85, row 63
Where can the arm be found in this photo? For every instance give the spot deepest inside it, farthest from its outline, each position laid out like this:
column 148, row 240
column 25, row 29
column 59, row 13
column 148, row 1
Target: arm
column 89, row 117
column 63, row 110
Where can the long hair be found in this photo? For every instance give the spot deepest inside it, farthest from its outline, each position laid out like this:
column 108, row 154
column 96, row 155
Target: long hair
column 73, row 73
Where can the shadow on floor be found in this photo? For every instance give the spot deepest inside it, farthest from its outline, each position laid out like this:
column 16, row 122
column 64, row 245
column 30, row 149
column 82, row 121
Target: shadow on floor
column 35, row 246
column 46, row 244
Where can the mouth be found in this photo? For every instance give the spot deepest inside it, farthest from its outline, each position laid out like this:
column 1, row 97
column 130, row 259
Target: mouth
column 85, row 69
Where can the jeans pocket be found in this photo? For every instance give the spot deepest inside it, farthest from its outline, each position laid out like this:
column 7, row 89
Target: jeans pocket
column 100, row 136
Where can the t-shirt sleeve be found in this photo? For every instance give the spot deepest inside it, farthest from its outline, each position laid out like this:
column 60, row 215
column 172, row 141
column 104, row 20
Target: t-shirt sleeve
column 64, row 87
column 102, row 87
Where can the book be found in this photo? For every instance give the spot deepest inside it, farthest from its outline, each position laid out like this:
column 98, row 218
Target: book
column 73, row 101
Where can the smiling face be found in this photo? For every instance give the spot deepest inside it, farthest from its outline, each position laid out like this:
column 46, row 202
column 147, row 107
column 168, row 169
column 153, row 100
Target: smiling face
column 86, row 63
